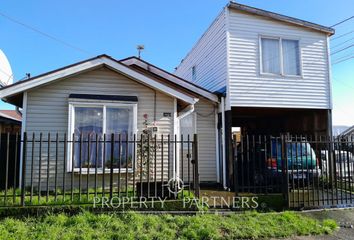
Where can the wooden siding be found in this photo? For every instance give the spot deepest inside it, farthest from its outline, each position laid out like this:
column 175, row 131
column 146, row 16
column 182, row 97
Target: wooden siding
column 204, row 113
column 47, row 109
column 248, row 88
column 208, row 56
column 206, row 131
column 47, row 112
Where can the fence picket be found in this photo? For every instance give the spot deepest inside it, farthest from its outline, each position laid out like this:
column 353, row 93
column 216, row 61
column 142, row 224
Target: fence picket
column 63, row 165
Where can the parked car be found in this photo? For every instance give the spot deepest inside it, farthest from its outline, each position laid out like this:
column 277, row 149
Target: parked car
column 264, row 162
column 344, row 167
column 301, row 160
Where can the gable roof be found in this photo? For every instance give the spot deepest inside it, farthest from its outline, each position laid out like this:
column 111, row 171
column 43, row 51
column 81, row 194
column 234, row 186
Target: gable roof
column 280, row 17
column 89, row 64
column 171, row 78
column 346, row 133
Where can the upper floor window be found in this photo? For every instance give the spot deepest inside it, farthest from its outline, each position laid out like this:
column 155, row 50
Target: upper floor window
column 280, row 56
column 194, row 73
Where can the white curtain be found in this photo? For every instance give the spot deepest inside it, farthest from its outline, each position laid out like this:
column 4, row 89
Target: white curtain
column 88, row 123
column 119, row 121
column 270, row 56
column 291, row 58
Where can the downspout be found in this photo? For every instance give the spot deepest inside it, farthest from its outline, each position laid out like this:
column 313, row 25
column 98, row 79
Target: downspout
column 18, row 110
column 191, row 110
column 217, row 146
column 223, row 142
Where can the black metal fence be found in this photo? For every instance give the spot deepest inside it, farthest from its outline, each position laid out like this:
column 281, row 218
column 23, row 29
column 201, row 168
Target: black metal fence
column 61, row 169
column 309, row 172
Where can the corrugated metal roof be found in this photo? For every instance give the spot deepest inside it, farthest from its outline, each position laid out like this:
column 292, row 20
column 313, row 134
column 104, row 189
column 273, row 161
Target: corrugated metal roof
column 11, row 114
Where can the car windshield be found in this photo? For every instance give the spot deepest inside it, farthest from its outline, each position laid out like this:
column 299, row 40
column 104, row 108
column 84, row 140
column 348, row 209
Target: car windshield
column 299, row 149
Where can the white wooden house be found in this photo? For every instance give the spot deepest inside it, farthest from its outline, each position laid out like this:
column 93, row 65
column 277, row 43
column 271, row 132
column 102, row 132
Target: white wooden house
column 273, row 71
column 104, row 96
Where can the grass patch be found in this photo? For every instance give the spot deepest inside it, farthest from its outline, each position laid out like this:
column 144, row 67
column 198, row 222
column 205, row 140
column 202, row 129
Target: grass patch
column 86, row 225
column 75, row 197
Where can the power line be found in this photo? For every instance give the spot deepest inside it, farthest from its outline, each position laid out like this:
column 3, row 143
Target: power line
column 339, row 44
column 344, row 60
column 347, row 19
column 341, row 50
column 44, row 34
column 343, row 35
column 340, row 58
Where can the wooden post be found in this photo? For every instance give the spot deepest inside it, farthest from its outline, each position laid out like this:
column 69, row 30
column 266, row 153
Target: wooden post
column 235, row 157
column 229, row 161
column 23, row 191
column 285, row 171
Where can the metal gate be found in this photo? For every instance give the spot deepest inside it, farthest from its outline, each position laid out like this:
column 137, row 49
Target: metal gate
column 320, row 172
column 308, row 172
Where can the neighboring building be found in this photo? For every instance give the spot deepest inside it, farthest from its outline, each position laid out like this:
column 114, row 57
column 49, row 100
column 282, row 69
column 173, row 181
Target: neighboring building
column 10, row 121
column 273, row 70
column 104, row 96
column 339, row 129
column 348, row 133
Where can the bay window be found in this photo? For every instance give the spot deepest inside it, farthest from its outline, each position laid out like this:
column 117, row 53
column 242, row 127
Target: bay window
column 280, row 56
column 90, row 124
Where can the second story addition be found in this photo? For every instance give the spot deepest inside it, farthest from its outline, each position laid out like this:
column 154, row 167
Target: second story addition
column 262, row 59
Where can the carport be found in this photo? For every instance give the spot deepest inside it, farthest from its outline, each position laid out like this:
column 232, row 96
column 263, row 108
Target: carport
column 278, row 121
column 272, row 122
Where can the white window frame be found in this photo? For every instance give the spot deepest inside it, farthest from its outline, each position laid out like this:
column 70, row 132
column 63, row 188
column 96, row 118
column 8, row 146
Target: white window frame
column 104, row 105
column 281, row 60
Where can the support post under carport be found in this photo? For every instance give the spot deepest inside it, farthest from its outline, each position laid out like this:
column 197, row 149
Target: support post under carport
column 329, row 122
column 228, row 149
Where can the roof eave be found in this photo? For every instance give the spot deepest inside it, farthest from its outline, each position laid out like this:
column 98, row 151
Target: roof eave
column 280, row 17
column 102, row 60
column 162, row 73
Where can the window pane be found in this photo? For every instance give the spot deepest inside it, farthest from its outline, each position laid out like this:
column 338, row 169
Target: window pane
column 291, row 58
column 88, row 122
column 120, row 121
column 270, row 56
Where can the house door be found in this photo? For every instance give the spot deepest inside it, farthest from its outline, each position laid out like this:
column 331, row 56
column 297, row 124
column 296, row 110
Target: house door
column 187, row 131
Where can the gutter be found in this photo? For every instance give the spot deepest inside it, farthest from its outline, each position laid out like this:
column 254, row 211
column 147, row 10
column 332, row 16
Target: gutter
column 223, row 142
